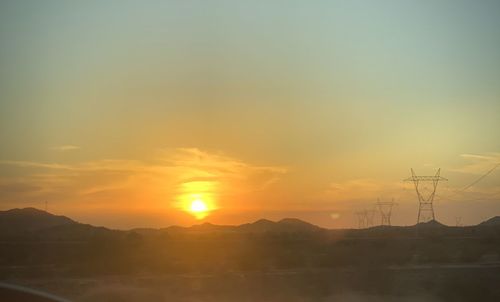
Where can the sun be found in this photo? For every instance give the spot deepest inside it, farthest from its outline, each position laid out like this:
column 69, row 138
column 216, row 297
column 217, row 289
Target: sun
column 198, row 200
column 198, row 206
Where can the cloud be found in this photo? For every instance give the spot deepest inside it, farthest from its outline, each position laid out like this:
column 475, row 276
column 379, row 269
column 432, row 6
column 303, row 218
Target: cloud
column 65, row 148
column 478, row 163
column 359, row 193
column 165, row 181
column 31, row 164
column 361, row 188
column 216, row 176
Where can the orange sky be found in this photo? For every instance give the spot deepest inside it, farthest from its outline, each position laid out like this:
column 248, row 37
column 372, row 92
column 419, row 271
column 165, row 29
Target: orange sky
column 132, row 193
column 122, row 114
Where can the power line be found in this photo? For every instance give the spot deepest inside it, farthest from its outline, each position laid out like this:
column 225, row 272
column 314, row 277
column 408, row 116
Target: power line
column 456, row 192
column 480, row 178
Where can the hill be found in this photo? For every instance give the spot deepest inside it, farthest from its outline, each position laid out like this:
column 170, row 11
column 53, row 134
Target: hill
column 494, row 221
column 21, row 221
column 30, row 224
column 287, row 225
column 57, row 244
column 283, row 226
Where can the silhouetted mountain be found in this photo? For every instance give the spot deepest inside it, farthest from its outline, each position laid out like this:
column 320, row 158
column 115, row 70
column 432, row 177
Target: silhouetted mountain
column 494, row 221
column 38, row 239
column 262, row 225
column 287, row 225
column 297, row 225
column 32, row 224
column 18, row 221
column 431, row 224
column 25, row 221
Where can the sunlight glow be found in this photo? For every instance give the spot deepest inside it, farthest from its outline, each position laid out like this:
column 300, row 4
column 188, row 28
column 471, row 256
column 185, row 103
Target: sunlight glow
column 198, row 197
column 198, row 206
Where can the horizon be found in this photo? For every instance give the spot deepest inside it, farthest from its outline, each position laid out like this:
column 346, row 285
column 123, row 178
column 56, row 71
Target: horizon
column 176, row 113
column 247, row 223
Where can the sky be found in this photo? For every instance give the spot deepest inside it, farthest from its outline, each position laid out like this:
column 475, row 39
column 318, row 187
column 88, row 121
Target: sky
column 123, row 113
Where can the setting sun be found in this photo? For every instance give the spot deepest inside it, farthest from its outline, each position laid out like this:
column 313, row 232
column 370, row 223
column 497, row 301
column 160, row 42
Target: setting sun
column 198, row 197
column 198, row 206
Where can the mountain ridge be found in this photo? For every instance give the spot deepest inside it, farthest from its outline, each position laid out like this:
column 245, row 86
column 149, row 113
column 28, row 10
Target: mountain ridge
column 22, row 220
column 493, row 221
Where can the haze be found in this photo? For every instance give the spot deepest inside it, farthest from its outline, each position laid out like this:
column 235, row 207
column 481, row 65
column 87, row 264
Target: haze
column 122, row 114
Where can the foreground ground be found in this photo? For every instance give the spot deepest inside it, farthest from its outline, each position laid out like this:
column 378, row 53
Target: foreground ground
column 422, row 283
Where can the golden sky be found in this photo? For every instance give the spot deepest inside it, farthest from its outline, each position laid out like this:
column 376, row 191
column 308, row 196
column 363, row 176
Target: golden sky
column 124, row 113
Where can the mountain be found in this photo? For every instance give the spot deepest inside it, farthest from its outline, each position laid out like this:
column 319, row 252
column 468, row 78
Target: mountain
column 287, row 225
column 297, row 225
column 494, row 221
column 259, row 226
column 431, row 224
column 31, row 238
column 31, row 222
column 19, row 221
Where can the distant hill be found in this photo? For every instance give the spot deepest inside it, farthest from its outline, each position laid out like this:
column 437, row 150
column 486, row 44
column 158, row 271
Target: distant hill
column 287, row 225
column 431, row 224
column 262, row 225
column 18, row 221
column 33, row 223
column 291, row 225
column 494, row 221
column 34, row 242
column 296, row 225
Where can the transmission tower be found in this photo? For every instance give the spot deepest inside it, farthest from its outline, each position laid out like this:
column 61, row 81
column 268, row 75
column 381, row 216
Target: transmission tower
column 426, row 203
column 365, row 218
column 361, row 219
column 370, row 214
column 385, row 210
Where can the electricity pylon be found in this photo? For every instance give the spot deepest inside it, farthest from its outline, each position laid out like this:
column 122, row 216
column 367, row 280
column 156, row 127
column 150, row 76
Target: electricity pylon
column 365, row 218
column 361, row 219
column 426, row 203
column 385, row 210
column 370, row 214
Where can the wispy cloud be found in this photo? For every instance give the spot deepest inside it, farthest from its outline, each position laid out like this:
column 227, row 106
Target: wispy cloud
column 33, row 164
column 365, row 191
column 192, row 163
column 478, row 163
column 158, row 182
column 217, row 176
column 65, row 148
